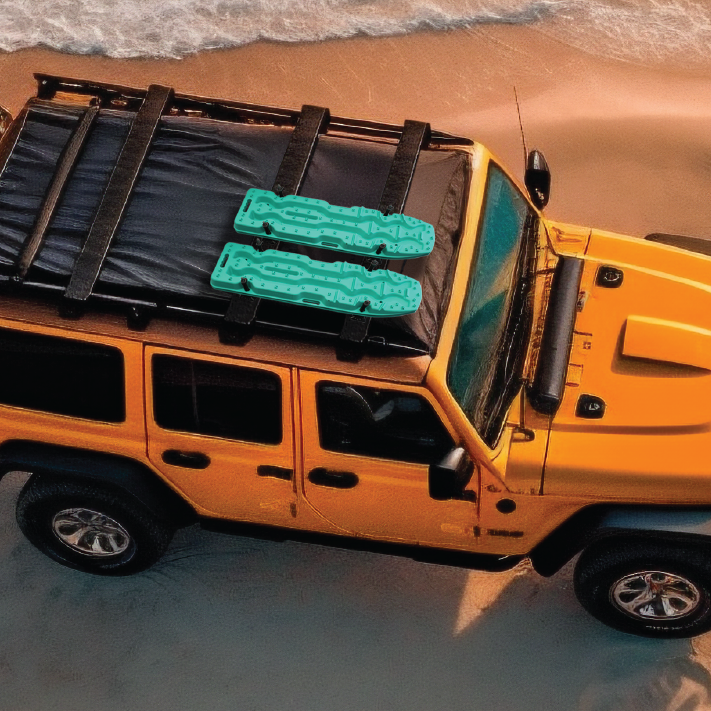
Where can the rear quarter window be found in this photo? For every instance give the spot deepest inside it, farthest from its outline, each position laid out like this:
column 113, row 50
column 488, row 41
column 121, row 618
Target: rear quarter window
column 61, row 376
column 217, row 399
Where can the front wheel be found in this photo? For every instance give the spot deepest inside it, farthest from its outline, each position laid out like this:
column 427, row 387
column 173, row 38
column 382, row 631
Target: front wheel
column 90, row 527
column 647, row 588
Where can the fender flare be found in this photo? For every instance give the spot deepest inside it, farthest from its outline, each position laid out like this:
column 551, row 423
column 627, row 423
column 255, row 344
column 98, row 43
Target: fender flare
column 600, row 522
column 129, row 476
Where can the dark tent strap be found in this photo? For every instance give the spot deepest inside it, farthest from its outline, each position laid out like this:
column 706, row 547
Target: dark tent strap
column 239, row 319
column 118, row 192
column 415, row 137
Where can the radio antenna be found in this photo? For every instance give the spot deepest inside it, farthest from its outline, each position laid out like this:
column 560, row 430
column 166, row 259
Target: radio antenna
column 520, row 123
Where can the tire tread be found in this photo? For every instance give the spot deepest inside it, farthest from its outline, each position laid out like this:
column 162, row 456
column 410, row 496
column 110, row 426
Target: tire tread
column 43, row 494
column 602, row 564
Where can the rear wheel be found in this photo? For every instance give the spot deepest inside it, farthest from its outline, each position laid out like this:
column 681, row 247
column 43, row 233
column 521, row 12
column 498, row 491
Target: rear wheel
column 91, row 527
column 648, row 588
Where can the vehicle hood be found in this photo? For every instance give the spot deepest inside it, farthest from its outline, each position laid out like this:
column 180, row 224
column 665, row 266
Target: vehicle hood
column 643, row 344
column 643, row 348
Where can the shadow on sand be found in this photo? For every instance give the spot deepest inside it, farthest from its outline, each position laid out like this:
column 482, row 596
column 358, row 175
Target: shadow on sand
column 230, row 623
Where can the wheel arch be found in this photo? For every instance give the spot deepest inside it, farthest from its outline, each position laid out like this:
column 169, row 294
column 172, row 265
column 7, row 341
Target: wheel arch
column 602, row 524
column 122, row 473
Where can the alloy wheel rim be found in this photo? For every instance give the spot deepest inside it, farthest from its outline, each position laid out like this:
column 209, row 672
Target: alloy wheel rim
column 90, row 532
column 655, row 595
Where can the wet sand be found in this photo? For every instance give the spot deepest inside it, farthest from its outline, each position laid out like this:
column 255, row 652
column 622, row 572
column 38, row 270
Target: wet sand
column 227, row 623
column 224, row 624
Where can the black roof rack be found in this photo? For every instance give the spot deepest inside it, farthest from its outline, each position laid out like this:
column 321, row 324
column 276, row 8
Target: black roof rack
column 121, row 97
column 238, row 316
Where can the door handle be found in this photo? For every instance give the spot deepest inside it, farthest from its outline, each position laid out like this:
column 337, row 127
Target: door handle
column 275, row 472
column 522, row 434
column 190, row 460
column 328, row 477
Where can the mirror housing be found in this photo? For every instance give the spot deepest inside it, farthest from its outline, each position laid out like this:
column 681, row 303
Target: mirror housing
column 538, row 179
column 448, row 477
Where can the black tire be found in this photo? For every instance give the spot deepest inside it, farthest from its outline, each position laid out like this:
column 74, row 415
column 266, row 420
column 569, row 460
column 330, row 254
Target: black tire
column 624, row 573
column 48, row 509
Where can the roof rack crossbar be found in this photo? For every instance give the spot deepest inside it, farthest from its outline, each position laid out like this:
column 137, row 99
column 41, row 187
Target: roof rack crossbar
column 313, row 121
column 66, row 163
column 118, row 192
column 415, row 136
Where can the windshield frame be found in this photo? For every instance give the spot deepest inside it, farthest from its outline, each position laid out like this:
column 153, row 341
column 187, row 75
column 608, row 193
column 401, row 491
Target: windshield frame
column 486, row 409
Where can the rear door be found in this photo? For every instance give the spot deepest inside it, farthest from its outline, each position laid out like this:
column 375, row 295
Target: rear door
column 367, row 449
column 221, row 431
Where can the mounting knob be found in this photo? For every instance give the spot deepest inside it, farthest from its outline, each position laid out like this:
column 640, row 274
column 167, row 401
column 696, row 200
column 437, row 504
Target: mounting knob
column 590, row 407
column 609, row 277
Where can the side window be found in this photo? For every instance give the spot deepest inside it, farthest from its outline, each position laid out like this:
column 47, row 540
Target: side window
column 62, row 376
column 216, row 399
column 380, row 423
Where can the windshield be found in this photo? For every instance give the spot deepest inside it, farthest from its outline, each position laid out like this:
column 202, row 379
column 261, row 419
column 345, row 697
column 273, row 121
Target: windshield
column 487, row 358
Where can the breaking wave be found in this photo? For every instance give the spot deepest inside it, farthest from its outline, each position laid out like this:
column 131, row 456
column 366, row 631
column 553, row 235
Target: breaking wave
column 641, row 29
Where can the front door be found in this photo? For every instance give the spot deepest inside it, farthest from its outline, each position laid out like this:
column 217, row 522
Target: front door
column 221, row 431
column 366, row 453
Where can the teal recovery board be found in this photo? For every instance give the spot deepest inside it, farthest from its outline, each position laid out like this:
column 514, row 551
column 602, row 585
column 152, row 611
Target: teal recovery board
column 294, row 278
column 316, row 223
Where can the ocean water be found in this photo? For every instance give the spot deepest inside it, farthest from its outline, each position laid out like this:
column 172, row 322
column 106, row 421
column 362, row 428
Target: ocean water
column 640, row 30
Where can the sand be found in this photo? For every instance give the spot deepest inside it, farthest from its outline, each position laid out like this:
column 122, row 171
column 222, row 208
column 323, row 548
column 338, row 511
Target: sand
column 227, row 623
column 232, row 624
column 627, row 144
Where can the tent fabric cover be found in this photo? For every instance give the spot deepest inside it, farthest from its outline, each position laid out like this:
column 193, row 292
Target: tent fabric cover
column 192, row 184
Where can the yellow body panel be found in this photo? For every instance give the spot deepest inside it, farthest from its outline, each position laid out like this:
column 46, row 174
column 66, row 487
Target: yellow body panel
column 391, row 501
column 643, row 348
column 126, row 438
column 230, row 487
column 667, row 341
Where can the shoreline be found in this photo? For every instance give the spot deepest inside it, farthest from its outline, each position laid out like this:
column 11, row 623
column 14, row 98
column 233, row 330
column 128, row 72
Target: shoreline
column 628, row 145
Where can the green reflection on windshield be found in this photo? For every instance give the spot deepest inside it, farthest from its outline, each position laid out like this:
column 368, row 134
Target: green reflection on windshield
column 490, row 288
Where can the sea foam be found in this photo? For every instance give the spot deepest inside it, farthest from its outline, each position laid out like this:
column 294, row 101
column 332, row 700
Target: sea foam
column 174, row 28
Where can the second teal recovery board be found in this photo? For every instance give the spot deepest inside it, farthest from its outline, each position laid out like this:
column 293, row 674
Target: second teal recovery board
column 294, row 278
column 317, row 223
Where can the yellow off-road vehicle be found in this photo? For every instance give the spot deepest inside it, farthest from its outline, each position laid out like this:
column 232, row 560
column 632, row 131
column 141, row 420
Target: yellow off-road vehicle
column 549, row 397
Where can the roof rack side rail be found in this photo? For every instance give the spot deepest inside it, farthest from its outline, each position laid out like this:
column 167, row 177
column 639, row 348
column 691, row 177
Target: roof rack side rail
column 415, row 136
column 237, row 326
column 126, row 98
column 116, row 196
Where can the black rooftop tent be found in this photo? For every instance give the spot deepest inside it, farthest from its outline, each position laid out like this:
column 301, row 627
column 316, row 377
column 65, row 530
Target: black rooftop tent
column 128, row 197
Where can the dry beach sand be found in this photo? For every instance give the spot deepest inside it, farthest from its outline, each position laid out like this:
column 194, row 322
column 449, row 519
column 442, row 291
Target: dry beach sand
column 628, row 144
column 235, row 624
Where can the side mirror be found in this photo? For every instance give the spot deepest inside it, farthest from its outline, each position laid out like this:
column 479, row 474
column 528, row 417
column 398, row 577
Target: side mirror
column 538, row 179
column 448, row 478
